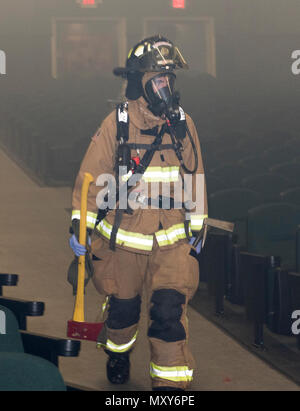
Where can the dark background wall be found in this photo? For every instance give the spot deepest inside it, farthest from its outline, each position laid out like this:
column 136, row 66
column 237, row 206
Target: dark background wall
column 254, row 41
column 254, row 38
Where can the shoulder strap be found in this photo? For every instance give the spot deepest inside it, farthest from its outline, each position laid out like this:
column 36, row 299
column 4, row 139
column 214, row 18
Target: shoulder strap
column 123, row 190
column 122, row 122
column 136, row 146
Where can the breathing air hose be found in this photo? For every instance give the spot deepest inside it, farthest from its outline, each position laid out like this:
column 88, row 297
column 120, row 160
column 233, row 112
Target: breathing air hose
column 179, row 149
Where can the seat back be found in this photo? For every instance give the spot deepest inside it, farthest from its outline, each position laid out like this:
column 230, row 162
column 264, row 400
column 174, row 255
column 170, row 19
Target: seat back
column 213, row 184
column 233, row 205
column 272, row 231
column 254, row 163
column 268, row 185
column 215, row 261
column 25, row 372
column 278, row 155
column 232, row 174
column 253, row 145
column 252, row 271
column 279, row 318
column 291, row 196
column 290, row 171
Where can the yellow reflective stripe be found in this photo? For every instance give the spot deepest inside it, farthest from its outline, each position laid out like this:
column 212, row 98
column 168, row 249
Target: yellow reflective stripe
column 127, row 176
column 171, row 235
column 119, row 348
column 130, row 51
column 139, row 51
column 90, row 218
column 127, row 238
column 76, row 214
column 104, row 305
column 161, row 174
column 171, row 373
column 197, row 221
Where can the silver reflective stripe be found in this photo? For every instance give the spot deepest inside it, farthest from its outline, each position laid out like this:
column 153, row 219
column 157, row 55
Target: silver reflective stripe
column 91, row 218
column 120, row 348
column 123, row 116
column 197, row 221
column 182, row 114
column 180, row 373
column 171, row 235
column 2, row 322
column 104, row 305
column 161, row 174
column 126, row 238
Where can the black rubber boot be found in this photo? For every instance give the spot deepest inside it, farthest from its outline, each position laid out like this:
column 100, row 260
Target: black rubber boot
column 117, row 367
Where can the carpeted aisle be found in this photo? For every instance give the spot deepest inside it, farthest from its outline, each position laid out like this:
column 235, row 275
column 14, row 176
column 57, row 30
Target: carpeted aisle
column 34, row 244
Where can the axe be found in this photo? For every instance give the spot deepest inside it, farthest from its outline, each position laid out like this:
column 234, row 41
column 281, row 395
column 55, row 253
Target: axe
column 77, row 327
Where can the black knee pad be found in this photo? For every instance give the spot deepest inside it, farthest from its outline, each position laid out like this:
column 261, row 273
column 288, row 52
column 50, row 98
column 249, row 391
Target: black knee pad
column 123, row 313
column 165, row 314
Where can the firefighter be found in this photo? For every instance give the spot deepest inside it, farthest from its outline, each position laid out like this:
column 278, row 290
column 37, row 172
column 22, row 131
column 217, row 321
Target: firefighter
column 144, row 246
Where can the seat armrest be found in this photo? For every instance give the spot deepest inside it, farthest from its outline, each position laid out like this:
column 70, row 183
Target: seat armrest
column 23, row 309
column 49, row 348
column 8, row 280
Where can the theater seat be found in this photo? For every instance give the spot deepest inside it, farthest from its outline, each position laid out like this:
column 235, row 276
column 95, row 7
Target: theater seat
column 20, row 371
column 269, row 185
column 253, row 145
column 10, row 337
column 290, row 171
column 291, row 196
column 25, row 372
column 13, row 339
column 278, row 155
column 232, row 174
column 296, row 159
column 254, row 163
column 233, row 205
column 213, row 184
column 272, row 231
column 278, row 137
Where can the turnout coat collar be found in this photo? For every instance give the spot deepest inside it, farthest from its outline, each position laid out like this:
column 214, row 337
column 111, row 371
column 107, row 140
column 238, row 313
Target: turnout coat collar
column 141, row 117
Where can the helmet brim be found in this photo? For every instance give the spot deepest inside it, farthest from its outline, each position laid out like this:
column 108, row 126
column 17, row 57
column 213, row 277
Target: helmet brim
column 160, row 56
column 120, row 72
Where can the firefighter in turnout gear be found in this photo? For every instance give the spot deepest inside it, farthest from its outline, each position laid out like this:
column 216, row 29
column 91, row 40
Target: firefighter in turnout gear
column 147, row 245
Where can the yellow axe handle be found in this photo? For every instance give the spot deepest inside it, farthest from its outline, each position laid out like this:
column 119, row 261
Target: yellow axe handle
column 79, row 302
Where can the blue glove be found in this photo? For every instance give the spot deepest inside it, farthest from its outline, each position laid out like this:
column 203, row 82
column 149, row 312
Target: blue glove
column 77, row 247
column 199, row 246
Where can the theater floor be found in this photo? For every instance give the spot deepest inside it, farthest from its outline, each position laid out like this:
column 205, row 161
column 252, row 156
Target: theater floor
column 34, row 244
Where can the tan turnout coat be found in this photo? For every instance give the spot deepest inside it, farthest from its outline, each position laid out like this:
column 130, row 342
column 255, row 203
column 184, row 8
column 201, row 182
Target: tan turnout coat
column 140, row 230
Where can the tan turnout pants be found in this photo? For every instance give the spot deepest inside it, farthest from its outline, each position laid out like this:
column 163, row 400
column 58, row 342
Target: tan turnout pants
column 123, row 274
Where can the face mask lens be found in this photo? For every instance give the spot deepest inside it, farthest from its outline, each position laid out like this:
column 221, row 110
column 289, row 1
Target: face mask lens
column 162, row 97
column 160, row 88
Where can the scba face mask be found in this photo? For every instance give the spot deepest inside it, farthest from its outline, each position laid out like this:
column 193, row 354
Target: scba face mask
column 162, row 98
